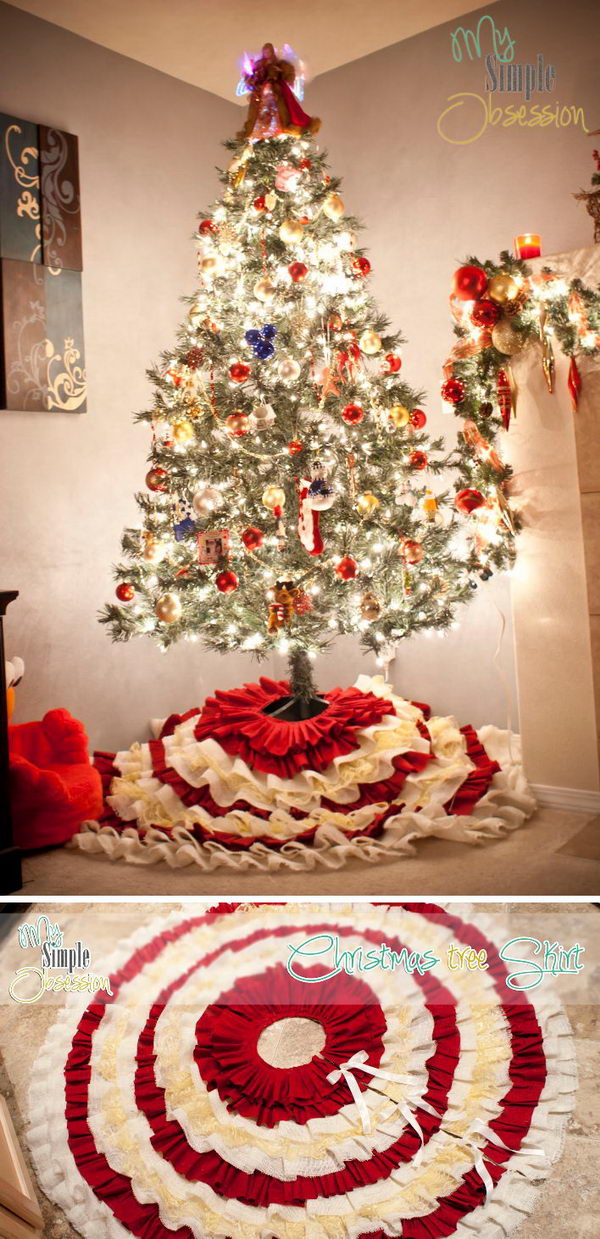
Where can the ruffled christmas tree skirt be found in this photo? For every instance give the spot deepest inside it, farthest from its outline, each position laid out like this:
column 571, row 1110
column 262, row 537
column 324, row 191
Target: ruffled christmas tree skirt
column 230, row 785
column 223, row 1091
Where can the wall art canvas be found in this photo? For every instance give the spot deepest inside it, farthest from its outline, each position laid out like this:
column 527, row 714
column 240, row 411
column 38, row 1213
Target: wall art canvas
column 42, row 363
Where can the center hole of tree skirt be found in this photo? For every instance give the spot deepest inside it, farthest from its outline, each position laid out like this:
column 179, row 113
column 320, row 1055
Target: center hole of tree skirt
column 291, row 1042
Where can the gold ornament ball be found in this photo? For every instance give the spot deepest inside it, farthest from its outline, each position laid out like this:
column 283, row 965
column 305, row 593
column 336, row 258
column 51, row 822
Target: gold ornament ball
column 333, row 206
column 264, row 289
column 502, row 288
column 399, row 415
column 370, row 342
column 210, row 265
column 168, row 609
column 183, row 432
column 273, row 497
column 237, row 424
column 370, row 606
column 291, row 231
column 367, row 503
column 506, row 339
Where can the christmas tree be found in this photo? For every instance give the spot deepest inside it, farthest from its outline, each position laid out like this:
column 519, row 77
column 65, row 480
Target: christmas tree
column 291, row 481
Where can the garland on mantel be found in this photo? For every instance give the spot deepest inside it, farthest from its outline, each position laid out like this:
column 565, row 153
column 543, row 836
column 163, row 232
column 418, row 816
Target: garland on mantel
column 499, row 310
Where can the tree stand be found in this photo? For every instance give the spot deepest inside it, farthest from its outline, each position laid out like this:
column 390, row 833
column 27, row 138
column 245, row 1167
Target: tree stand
column 305, row 701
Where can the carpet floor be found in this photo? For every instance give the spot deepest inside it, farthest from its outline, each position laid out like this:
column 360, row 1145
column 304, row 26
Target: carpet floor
column 531, row 861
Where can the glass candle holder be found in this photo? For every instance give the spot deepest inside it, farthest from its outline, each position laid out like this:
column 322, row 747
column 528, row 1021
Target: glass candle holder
column 528, row 246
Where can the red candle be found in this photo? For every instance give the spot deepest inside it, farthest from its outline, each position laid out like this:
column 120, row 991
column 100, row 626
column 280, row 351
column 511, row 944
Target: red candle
column 528, row 246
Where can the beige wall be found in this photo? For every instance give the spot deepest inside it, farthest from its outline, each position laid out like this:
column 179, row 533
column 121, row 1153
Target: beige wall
column 427, row 205
column 148, row 144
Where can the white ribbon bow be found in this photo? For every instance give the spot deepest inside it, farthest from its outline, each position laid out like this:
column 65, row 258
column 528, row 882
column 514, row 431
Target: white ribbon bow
column 359, row 1061
column 480, row 1128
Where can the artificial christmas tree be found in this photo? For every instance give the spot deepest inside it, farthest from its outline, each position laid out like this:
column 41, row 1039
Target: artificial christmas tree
column 290, row 483
column 291, row 499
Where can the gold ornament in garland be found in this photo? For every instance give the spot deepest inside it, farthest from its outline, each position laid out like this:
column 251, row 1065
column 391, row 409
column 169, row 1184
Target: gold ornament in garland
column 503, row 288
column 183, row 431
column 506, row 339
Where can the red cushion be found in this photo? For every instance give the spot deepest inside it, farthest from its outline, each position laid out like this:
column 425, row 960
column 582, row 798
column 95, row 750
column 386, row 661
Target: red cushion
column 53, row 786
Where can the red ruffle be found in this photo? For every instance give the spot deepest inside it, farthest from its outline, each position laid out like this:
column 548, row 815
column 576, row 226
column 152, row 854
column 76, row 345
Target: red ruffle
column 227, row 1037
column 478, row 781
column 236, row 720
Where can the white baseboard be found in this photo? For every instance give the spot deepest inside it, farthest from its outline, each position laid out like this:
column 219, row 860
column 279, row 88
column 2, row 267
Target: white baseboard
column 577, row 799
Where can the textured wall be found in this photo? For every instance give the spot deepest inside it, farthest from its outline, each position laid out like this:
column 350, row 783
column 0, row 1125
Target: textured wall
column 148, row 145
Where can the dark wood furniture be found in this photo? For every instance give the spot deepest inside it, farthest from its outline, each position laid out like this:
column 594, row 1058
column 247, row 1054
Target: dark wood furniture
column 10, row 857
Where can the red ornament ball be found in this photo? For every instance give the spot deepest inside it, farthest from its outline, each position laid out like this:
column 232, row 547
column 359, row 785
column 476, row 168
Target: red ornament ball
column 305, row 164
column 207, row 225
column 469, row 283
column 125, row 592
column 347, row 568
column 353, row 414
column 392, row 363
column 360, row 265
column 335, row 322
column 226, row 582
column 419, row 460
column 237, row 425
column 194, row 357
column 418, row 419
column 295, row 447
column 298, row 271
column 252, row 538
column 239, row 371
column 259, row 203
column 453, row 391
column 485, row 313
column 155, row 478
column 468, row 500
column 413, row 552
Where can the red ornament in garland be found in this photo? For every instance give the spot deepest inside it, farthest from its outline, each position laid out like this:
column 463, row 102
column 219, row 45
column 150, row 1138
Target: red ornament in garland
column 504, row 397
column 125, row 592
column 260, row 203
column 298, row 271
column 252, row 538
column 239, row 371
column 453, row 391
column 418, row 419
column 305, row 164
column 468, row 500
column 347, row 568
column 335, row 322
column 353, row 414
column 392, row 363
column 574, row 383
column 469, row 283
column 485, row 313
column 155, row 478
column 295, row 447
column 419, row 460
column 208, row 226
column 226, row 582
